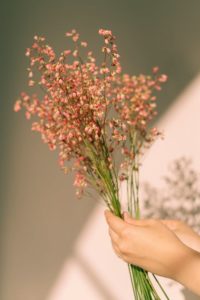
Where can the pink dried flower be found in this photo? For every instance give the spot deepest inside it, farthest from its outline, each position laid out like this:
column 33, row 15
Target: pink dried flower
column 162, row 78
column 84, row 44
column 31, row 82
column 75, row 37
column 155, row 69
column 80, row 180
column 17, row 105
column 105, row 32
column 94, row 115
column 28, row 52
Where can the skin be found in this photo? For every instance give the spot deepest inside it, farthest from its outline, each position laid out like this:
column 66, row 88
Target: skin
column 169, row 248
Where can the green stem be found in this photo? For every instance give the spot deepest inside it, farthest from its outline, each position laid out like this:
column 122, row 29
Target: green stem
column 161, row 287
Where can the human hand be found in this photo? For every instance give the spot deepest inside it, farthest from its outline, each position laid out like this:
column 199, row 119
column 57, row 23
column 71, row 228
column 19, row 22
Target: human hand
column 149, row 244
column 183, row 231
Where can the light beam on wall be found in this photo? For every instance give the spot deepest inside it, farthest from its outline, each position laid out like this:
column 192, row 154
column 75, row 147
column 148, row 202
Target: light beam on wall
column 94, row 272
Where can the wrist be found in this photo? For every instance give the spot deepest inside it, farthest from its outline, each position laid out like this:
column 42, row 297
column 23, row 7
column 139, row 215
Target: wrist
column 187, row 272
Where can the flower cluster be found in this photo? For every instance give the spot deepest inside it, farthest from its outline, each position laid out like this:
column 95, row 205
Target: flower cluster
column 89, row 111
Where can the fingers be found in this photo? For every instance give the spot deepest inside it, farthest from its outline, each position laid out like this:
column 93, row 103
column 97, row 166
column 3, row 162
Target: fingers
column 115, row 242
column 116, row 249
column 114, row 237
column 117, row 224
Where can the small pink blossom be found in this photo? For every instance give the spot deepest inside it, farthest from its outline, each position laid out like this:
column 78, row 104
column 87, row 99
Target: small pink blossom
column 28, row 52
column 84, row 44
column 28, row 115
column 31, row 82
column 105, row 32
column 155, row 69
column 162, row 78
column 17, row 105
column 80, row 180
column 75, row 37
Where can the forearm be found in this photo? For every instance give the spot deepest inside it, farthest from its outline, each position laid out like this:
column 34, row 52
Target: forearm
column 188, row 273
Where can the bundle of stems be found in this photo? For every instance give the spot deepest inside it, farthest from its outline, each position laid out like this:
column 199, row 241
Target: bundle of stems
column 143, row 288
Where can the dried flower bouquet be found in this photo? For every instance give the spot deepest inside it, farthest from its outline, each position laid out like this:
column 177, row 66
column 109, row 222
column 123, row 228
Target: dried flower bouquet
column 98, row 118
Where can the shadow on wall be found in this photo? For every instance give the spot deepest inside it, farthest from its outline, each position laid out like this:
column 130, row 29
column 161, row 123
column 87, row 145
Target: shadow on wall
column 189, row 295
column 42, row 220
